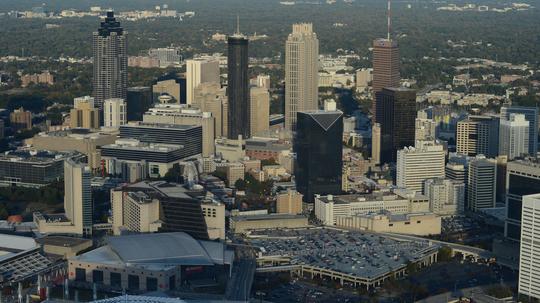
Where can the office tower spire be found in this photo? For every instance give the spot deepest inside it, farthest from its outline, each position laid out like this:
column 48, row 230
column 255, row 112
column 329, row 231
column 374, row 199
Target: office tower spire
column 109, row 50
column 301, row 72
column 389, row 20
column 238, row 86
column 238, row 24
column 385, row 61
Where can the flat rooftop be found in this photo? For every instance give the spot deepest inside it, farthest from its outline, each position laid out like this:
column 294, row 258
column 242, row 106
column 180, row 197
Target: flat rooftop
column 266, row 217
column 164, row 188
column 36, row 157
column 141, row 146
column 77, row 134
column 159, row 125
column 359, row 254
column 62, row 241
column 376, row 196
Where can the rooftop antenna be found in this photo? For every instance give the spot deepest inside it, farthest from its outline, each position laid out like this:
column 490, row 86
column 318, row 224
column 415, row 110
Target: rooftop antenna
column 237, row 24
column 389, row 21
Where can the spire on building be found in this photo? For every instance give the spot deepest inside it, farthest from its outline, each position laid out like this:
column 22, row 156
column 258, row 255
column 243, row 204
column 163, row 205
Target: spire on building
column 389, row 19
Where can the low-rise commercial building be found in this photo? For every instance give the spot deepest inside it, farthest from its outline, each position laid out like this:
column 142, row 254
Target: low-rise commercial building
column 231, row 150
column 81, row 140
column 63, row 247
column 413, row 224
column 329, row 208
column 265, row 148
column 243, row 224
column 31, row 168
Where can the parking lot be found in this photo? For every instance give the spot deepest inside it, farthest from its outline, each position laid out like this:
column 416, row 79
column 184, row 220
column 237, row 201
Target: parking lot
column 360, row 254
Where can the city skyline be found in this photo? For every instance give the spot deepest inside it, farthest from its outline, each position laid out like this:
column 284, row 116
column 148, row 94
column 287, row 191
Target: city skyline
column 299, row 161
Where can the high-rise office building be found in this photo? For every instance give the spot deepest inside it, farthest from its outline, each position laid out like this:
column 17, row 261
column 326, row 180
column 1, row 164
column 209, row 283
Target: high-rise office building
column 478, row 135
column 263, row 81
column 20, row 119
column 259, row 111
column 385, row 66
column 514, row 136
column 200, row 71
column 139, row 100
column 210, row 97
column 396, row 113
column 531, row 115
column 289, row 202
column 529, row 252
column 109, row 49
column 522, row 178
column 446, row 196
column 416, row 164
column 456, row 171
column 318, row 148
column 482, row 183
column 114, row 112
column 425, row 129
column 78, row 196
column 167, row 56
column 84, row 114
column 376, row 143
column 181, row 115
column 238, row 86
column 301, row 72
column 188, row 137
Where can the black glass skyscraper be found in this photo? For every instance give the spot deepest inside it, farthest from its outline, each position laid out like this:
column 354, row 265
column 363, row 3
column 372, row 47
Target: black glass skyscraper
column 109, row 50
column 318, row 148
column 139, row 100
column 238, row 87
column 396, row 113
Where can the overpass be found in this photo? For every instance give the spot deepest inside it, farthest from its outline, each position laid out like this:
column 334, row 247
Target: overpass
column 466, row 251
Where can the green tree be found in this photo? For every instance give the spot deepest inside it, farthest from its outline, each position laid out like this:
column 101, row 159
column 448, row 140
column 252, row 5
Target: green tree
column 240, row 184
column 3, row 212
column 270, row 161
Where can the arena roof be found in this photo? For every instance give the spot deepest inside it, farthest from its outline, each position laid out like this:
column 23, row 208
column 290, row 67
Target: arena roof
column 159, row 250
column 11, row 245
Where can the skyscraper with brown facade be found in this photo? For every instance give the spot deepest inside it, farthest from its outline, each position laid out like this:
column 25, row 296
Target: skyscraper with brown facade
column 385, row 66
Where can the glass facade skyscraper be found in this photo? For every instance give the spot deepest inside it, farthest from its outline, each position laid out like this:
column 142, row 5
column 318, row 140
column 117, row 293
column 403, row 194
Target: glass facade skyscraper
column 522, row 178
column 396, row 113
column 318, row 148
column 238, row 87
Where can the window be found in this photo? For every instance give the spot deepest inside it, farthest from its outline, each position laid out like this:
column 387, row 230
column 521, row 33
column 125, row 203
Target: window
column 407, row 223
column 97, row 276
column 133, row 282
column 116, row 279
column 172, row 282
column 80, row 274
column 151, row 284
